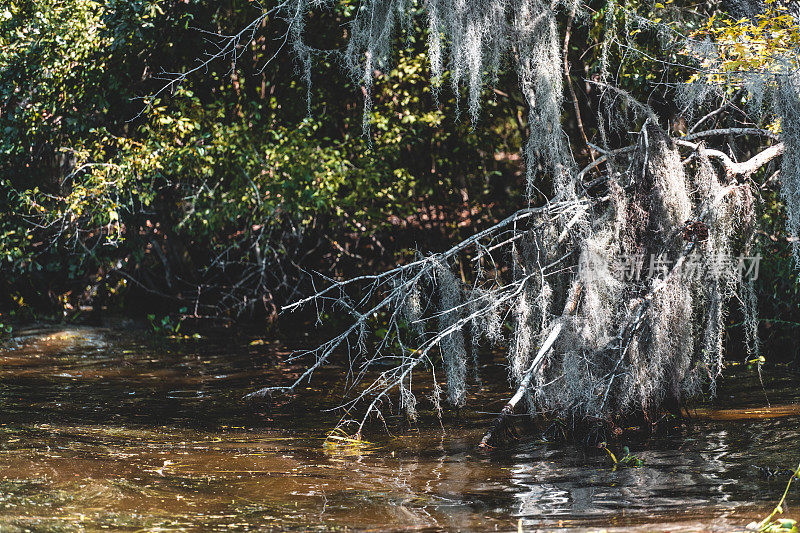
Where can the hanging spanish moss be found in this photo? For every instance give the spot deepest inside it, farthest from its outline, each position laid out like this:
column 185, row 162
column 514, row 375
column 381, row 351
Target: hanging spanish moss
column 788, row 109
column 616, row 289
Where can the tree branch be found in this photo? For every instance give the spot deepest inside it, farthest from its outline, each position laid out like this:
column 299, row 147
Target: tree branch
column 745, row 168
column 501, row 421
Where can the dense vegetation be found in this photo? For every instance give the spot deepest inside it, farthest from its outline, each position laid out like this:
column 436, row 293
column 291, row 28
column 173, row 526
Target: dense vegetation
column 216, row 196
column 139, row 176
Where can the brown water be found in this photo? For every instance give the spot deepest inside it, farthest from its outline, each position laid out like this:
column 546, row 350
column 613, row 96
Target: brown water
column 101, row 430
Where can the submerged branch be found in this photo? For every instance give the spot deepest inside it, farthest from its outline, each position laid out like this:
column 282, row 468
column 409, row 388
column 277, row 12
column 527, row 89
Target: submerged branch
column 499, row 425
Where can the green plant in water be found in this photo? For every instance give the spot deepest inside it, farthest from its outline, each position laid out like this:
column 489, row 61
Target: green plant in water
column 166, row 325
column 782, row 525
column 6, row 331
column 627, row 459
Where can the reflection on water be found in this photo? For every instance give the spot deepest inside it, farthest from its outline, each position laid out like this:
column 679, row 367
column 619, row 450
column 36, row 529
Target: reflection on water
column 101, row 430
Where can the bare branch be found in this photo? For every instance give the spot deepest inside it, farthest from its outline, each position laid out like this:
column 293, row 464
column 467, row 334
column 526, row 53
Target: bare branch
column 744, row 168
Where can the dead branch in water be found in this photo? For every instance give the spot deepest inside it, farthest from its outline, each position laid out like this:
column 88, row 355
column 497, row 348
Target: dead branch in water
column 402, row 281
column 501, row 422
column 545, row 245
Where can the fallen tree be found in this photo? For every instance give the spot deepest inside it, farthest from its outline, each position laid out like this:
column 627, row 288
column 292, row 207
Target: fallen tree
column 616, row 285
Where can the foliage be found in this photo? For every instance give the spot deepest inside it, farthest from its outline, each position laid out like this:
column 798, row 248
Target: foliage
column 746, row 47
column 6, row 330
column 758, row 54
column 222, row 193
column 166, row 325
column 626, row 459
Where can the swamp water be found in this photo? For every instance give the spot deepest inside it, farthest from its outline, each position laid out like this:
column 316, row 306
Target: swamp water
column 101, row 430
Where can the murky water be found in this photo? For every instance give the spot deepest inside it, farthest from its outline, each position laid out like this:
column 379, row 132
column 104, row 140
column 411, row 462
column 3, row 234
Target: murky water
column 102, row 430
